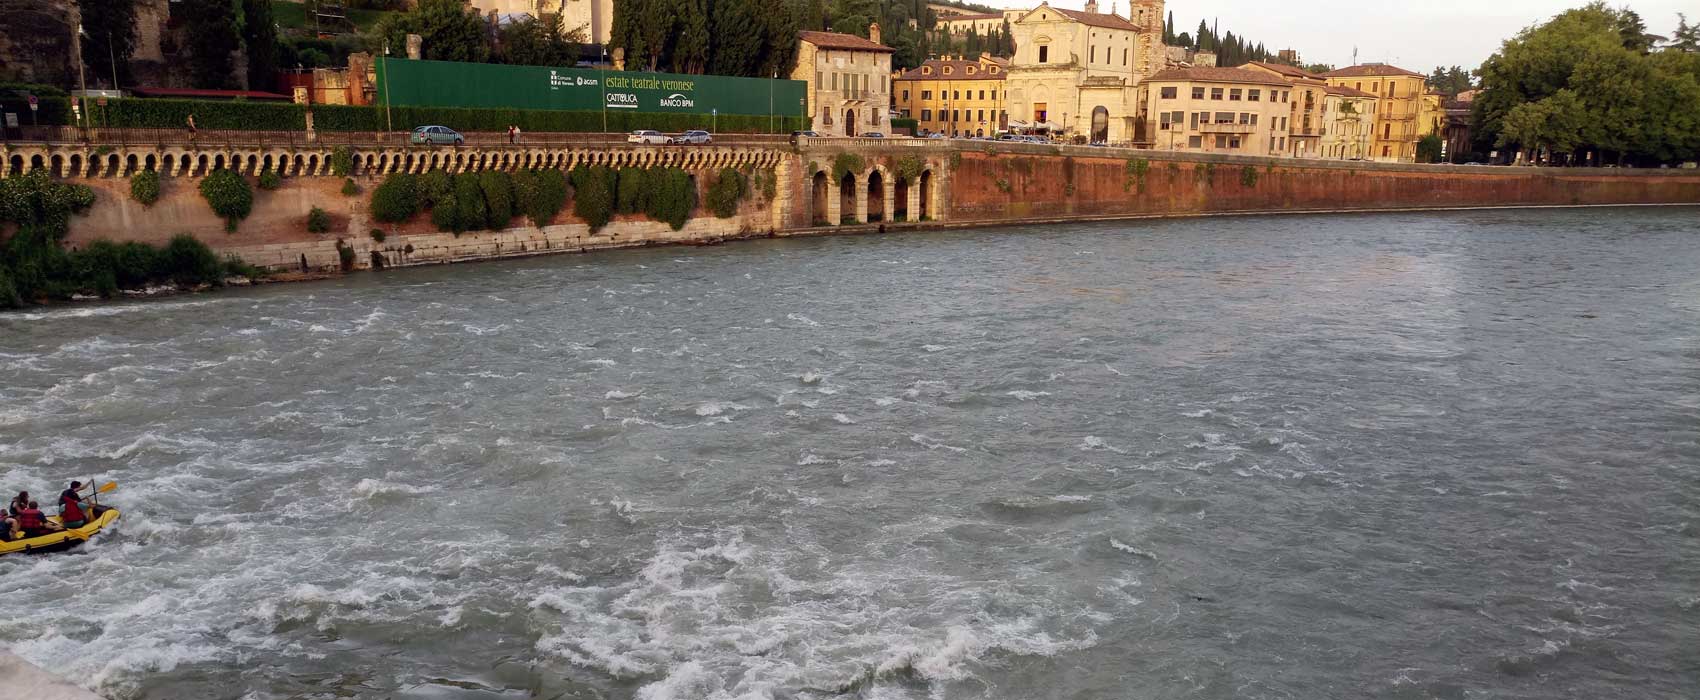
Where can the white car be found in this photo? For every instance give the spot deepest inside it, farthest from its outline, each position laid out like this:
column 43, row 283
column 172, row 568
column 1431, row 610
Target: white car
column 647, row 136
column 696, row 136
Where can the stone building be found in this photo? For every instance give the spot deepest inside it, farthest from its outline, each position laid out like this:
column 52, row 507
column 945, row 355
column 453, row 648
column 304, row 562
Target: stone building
column 1399, row 106
column 954, row 95
column 1220, row 110
column 1077, row 72
column 849, row 81
column 1348, row 122
column 595, row 17
column 982, row 24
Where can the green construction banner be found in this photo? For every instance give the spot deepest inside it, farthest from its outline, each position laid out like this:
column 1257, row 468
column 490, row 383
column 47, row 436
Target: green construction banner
column 403, row 82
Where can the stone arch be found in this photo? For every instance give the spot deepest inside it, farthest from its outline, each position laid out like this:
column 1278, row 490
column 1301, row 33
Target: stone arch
column 818, row 198
column 36, row 163
column 131, row 162
column 900, row 199
column 355, row 161
column 167, row 162
column 876, row 195
column 252, row 163
column 151, row 162
column 218, row 161
column 1100, row 124
column 847, row 191
column 850, row 121
column 111, row 164
column 77, row 163
column 56, row 165
column 313, row 164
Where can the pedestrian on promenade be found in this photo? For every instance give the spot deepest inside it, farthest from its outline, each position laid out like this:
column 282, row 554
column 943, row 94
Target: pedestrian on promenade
column 516, row 133
column 191, row 122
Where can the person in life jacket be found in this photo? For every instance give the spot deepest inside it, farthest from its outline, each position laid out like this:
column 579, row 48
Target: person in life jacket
column 33, row 522
column 71, row 507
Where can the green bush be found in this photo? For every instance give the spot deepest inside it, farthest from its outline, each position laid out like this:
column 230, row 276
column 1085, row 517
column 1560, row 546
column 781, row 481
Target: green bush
column 144, row 187
column 395, row 200
column 53, row 111
column 539, row 194
column 498, row 191
column 445, row 215
column 135, row 112
column 435, row 185
column 371, row 118
column 628, row 194
column 135, row 264
column 342, row 161
column 593, row 195
column 9, row 298
column 844, row 164
column 269, row 180
column 349, row 189
column 674, row 199
column 186, row 260
column 318, row 221
column 345, row 255
column 726, row 192
column 472, row 213
column 229, row 196
column 236, row 267
column 378, row 235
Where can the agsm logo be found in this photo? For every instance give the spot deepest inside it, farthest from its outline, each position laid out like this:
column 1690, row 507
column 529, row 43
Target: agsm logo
column 677, row 100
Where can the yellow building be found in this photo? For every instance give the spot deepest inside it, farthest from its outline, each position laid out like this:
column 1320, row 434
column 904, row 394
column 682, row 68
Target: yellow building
column 982, row 24
column 1219, row 110
column 1348, row 124
column 1078, row 72
column 953, row 96
column 1432, row 118
column 849, row 81
column 1399, row 106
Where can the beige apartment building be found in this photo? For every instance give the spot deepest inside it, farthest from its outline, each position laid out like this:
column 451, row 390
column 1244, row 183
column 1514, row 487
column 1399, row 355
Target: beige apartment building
column 1348, row 124
column 1309, row 107
column 1399, row 106
column 982, row 24
column 1078, row 72
column 1220, row 110
column 849, row 81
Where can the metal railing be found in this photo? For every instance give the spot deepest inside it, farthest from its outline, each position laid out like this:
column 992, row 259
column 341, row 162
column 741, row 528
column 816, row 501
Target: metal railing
column 233, row 138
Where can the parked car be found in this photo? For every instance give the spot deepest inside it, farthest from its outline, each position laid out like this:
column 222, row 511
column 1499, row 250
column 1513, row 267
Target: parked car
column 694, row 136
column 936, row 135
column 647, row 136
column 1009, row 137
column 435, row 136
column 795, row 135
column 873, row 135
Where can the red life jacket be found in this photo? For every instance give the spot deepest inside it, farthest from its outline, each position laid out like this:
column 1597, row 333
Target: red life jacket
column 70, row 510
column 31, row 519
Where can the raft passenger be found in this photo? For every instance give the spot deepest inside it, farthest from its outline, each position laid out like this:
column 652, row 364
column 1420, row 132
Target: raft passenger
column 71, row 507
column 33, row 522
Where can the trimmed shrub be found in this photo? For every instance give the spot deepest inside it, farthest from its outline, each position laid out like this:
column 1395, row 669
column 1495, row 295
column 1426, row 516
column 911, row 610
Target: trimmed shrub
column 229, row 196
column 444, row 214
column 395, row 200
column 144, row 187
column 137, row 112
column 674, row 199
column 9, row 298
column 469, row 203
column 498, row 191
column 342, row 161
column 628, row 195
column 186, row 260
column 434, row 186
column 349, row 189
column 371, row 118
column 269, row 180
column 135, row 264
column 593, row 195
column 539, row 194
column 318, row 221
column 726, row 192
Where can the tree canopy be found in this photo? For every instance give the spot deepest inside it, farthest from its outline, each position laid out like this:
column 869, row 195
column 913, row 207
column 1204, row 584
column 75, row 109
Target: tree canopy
column 111, row 29
column 1450, row 81
column 1587, row 81
column 449, row 31
column 1230, row 50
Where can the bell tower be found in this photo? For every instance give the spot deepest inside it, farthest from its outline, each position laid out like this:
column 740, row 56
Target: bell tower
column 1148, row 16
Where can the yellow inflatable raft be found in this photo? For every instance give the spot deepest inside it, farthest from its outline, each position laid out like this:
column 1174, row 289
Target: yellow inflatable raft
column 63, row 539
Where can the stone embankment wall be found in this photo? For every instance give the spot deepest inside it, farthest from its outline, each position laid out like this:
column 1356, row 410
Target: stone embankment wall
column 20, row 679
column 826, row 184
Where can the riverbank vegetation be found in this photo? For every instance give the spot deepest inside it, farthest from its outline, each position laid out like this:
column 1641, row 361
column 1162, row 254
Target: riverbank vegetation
column 35, row 211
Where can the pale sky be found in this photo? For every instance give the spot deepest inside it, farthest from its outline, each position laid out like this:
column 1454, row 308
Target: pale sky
column 1413, row 34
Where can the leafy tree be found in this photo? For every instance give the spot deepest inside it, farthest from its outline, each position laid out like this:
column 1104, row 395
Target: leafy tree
column 739, row 41
column 259, row 41
column 1450, row 81
column 1686, row 38
column 449, row 30
column 469, row 203
column 542, row 41
column 498, row 198
column 229, row 196
column 210, row 26
column 111, row 36
column 690, row 49
column 1633, row 31
column 1429, row 148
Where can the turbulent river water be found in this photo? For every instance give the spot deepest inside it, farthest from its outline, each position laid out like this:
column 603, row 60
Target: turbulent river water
column 1449, row 455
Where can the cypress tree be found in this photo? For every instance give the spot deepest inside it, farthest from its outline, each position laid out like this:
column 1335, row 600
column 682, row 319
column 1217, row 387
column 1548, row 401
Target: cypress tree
column 690, row 49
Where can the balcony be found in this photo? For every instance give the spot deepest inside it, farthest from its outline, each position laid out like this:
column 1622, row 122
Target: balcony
column 1226, row 128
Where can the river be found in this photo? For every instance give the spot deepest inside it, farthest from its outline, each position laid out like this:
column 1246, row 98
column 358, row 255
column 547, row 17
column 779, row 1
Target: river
column 1428, row 455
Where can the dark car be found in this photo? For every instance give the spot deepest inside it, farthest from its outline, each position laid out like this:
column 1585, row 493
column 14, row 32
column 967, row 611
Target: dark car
column 795, row 135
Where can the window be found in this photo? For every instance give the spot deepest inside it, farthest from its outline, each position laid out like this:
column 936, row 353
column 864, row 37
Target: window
column 1254, row 95
column 1044, row 54
column 1178, row 117
column 981, row 115
column 1195, row 142
column 1198, row 93
column 1224, row 117
column 1386, row 131
column 905, row 95
column 1195, row 120
column 1039, row 111
column 1386, row 151
column 1215, row 93
column 1233, row 142
column 1124, row 57
column 835, row 81
column 955, row 115
column 982, row 94
column 926, row 115
column 1234, row 95
column 956, row 95
column 926, row 94
column 1221, row 140
column 1392, row 89
column 1245, row 117
column 1168, row 93
column 1254, row 119
column 1163, row 121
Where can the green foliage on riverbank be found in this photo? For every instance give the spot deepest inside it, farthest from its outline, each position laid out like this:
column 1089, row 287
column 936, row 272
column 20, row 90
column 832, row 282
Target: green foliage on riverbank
column 540, row 194
column 144, row 187
column 727, row 190
column 593, row 194
column 229, row 196
column 35, row 267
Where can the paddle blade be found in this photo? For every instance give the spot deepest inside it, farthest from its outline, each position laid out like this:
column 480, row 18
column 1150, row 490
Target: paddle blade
column 108, row 487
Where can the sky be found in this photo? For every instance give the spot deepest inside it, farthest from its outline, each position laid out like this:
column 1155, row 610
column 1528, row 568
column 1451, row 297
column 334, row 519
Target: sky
column 1416, row 35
